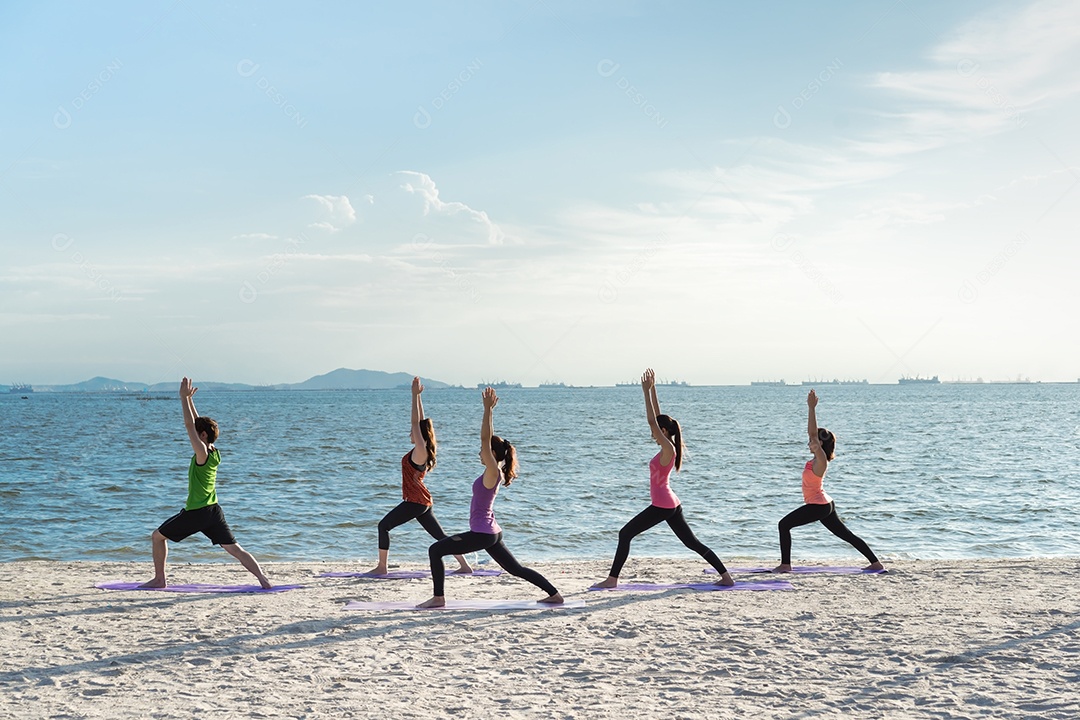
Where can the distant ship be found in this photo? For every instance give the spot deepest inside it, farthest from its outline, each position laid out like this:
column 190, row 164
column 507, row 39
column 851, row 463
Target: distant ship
column 627, row 384
column 21, row 388
column 500, row 385
column 834, row 381
column 673, row 383
column 553, row 385
column 919, row 380
column 767, row 383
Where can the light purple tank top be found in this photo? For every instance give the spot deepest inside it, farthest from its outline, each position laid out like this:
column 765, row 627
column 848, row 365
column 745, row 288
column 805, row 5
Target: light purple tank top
column 481, row 513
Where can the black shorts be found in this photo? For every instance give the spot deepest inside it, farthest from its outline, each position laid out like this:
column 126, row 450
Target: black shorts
column 209, row 520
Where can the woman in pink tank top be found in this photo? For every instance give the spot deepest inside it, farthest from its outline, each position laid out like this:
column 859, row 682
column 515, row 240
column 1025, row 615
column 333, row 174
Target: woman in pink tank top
column 500, row 468
column 819, row 507
column 665, row 505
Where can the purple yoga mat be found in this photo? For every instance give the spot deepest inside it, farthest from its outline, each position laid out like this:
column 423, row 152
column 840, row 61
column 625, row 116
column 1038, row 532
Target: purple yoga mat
column 198, row 588
column 467, row 605
column 762, row 585
column 407, row 574
column 805, row 570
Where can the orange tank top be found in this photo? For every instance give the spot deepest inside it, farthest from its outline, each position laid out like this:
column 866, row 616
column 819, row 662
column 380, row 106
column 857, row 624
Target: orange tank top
column 812, row 491
column 413, row 488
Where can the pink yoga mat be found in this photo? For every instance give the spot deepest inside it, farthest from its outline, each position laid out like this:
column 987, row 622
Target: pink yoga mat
column 805, row 570
column 467, row 605
column 198, row 588
column 763, row 585
column 408, row 574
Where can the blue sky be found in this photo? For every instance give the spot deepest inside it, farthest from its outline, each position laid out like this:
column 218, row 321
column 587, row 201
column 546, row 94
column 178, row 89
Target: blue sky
column 539, row 190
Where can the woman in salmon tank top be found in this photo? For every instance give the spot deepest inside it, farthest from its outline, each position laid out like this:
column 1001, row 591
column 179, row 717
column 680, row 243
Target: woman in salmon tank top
column 416, row 499
column 665, row 505
column 819, row 506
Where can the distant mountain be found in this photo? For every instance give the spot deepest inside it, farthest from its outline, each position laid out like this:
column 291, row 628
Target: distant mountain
column 340, row 379
column 346, row 379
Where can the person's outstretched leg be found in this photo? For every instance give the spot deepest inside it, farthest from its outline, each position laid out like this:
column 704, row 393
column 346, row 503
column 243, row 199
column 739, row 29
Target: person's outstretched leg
column 430, row 523
column 677, row 523
column 647, row 518
column 248, row 561
column 459, row 544
column 500, row 554
column 799, row 516
column 837, row 527
column 403, row 513
column 160, row 548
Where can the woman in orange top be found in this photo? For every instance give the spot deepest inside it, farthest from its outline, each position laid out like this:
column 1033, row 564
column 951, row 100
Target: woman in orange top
column 416, row 499
column 819, row 506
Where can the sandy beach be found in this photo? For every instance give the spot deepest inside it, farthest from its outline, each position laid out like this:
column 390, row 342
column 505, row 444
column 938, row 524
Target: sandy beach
column 935, row 639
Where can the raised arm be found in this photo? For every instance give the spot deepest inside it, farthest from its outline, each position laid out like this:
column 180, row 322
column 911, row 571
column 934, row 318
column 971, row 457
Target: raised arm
column 420, row 452
column 487, row 431
column 652, row 409
column 187, row 390
column 821, row 462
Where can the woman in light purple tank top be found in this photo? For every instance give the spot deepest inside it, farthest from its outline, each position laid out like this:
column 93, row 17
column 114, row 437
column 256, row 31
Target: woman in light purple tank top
column 500, row 467
column 665, row 505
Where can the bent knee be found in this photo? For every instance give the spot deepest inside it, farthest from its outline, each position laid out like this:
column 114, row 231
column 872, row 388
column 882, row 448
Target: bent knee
column 156, row 536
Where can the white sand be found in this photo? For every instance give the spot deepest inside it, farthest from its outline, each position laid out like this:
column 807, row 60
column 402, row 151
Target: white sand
column 931, row 639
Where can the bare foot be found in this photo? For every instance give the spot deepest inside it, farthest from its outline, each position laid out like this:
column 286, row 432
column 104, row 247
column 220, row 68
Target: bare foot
column 782, row 568
column 555, row 599
column 436, row 601
column 155, row 583
column 463, row 570
column 725, row 580
column 377, row 570
column 607, row 584
column 265, row 582
column 874, row 566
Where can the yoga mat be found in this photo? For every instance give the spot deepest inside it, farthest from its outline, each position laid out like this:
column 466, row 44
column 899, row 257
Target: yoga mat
column 806, row 570
column 408, row 574
column 762, row 585
column 198, row 588
column 467, row 605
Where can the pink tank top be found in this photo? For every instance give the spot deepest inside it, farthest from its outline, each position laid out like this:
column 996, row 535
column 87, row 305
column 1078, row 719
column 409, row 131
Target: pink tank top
column 660, row 493
column 812, row 491
column 481, row 510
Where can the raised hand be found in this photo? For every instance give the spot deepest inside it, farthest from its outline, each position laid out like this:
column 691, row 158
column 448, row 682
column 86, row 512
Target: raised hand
column 186, row 388
column 417, row 388
column 811, row 399
column 490, row 398
column 648, row 379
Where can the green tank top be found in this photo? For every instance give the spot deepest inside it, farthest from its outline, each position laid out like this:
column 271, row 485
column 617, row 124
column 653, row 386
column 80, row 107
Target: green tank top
column 200, row 482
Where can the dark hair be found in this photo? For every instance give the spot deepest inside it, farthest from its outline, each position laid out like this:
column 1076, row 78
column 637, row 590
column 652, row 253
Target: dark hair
column 666, row 422
column 427, row 431
column 828, row 442
column 208, row 426
column 504, row 452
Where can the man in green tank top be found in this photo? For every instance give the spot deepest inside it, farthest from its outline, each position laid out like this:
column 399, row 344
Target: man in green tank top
column 201, row 512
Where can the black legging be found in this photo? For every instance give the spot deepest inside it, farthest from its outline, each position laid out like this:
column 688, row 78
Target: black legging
column 468, row 542
column 402, row 514
column 828, row 517
column 652, row 516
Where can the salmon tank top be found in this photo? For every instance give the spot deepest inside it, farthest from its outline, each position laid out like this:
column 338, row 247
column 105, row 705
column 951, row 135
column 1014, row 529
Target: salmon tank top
column 812, row 491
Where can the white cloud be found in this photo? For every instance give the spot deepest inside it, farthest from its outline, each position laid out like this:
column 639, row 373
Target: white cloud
column 989, row 77
column 338, row 208
column 421, row 185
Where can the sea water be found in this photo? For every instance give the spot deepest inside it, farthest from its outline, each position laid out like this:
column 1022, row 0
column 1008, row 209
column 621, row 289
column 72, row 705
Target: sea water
column 934, row 471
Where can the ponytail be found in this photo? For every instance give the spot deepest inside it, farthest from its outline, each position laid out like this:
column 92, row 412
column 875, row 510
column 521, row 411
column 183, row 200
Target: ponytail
column 505, row 453
column 427, row 431
column 828, row 442
column 666, row 422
